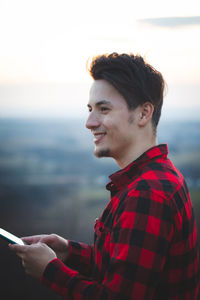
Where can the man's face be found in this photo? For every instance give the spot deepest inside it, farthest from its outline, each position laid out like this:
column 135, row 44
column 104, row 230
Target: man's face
column 111, row 122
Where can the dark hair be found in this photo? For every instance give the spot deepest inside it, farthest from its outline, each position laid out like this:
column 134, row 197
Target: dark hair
column 136, row 80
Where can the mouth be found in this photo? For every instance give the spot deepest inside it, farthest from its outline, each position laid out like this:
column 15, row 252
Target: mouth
column 98, row 136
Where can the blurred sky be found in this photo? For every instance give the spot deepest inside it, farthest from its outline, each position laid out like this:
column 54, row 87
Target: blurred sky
column 44, row 46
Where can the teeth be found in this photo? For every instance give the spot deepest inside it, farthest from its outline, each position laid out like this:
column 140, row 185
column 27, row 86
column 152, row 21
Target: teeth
column 98, row 136
column 100, row 133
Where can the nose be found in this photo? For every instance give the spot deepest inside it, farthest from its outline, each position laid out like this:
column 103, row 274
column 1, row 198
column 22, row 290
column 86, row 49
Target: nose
column 92, row 121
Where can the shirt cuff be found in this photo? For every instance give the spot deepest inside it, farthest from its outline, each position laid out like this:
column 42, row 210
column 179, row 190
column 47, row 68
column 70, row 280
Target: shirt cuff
column 56, row 276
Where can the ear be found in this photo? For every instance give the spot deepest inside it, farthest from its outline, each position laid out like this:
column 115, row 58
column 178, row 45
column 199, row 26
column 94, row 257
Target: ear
column 145, row 114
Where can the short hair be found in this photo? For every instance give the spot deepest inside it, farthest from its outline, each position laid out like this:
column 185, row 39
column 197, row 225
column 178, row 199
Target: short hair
column 136, row 80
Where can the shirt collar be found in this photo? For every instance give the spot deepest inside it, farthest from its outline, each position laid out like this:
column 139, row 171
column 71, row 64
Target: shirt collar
column 125, row 176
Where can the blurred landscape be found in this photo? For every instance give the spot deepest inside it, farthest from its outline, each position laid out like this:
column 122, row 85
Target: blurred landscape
column 50, row 182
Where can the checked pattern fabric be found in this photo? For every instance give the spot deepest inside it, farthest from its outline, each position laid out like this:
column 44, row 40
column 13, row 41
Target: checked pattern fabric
column 145, row 243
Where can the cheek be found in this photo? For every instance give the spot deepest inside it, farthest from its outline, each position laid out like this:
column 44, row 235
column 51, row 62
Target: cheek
column 122, row 134
column 114, row 130
column 118, row 127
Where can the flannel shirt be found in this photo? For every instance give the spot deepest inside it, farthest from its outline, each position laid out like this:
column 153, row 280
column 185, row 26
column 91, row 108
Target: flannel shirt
column 145, row 244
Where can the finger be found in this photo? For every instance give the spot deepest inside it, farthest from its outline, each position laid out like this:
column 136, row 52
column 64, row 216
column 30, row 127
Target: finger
column 46, row 239
column 20, row 254
column 17, row 248
column 31, row 239
column 25, row 267
column 23, row 263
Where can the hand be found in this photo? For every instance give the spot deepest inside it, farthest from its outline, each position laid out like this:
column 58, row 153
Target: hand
column 58, row 244
column 34, row 257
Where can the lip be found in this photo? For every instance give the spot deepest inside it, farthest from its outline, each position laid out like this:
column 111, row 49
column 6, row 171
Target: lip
column 98, row 137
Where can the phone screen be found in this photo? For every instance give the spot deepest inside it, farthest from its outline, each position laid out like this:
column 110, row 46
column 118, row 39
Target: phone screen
column 10, row 237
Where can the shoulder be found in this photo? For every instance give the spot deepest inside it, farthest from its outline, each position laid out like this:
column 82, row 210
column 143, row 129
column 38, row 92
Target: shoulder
column 158, row 189
column 159, row 177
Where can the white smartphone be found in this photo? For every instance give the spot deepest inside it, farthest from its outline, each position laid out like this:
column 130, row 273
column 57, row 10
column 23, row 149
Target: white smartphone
column 10, row 237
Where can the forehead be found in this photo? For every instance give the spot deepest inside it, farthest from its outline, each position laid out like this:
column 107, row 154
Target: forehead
column 102, row 90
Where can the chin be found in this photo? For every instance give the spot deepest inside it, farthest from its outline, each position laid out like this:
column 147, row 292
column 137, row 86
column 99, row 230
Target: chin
column 102, row 153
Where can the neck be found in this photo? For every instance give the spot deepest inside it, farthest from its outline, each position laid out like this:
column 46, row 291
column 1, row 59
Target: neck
column 141, row 146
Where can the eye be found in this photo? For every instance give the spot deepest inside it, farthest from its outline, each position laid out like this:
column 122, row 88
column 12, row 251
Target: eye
column 104, row 108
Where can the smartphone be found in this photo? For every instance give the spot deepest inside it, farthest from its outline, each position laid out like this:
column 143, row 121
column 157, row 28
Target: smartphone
column 9, row 237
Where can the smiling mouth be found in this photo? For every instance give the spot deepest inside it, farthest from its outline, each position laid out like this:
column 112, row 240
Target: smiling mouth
column 98, row 137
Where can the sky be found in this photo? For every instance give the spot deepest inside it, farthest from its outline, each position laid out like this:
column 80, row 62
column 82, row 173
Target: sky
column 45, row 44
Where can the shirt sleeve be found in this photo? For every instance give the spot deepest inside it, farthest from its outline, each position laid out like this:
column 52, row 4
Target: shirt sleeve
column 138, row 244
column 80, row 257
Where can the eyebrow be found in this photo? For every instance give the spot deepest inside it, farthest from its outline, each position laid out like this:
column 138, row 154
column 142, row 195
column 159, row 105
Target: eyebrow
column 102, row 102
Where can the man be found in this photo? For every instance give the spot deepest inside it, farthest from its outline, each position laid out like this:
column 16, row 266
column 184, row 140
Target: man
column 145, row 243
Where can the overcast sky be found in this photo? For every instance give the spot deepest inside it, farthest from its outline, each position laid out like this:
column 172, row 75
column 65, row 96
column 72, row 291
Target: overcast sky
column 44, row 46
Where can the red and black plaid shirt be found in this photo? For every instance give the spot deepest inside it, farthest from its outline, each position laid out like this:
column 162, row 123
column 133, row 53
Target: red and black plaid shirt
column 145, row 244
